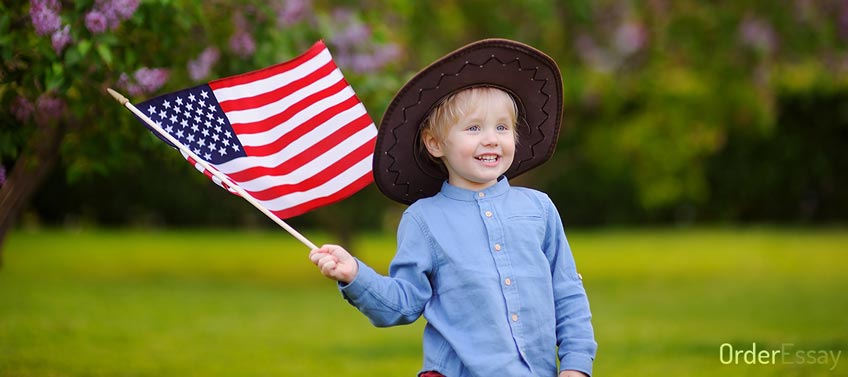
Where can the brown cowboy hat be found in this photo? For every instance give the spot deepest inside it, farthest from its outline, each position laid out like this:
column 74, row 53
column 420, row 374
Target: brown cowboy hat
column 405, row 173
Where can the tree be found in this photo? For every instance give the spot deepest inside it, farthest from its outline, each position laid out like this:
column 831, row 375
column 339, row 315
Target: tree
column 59, row 56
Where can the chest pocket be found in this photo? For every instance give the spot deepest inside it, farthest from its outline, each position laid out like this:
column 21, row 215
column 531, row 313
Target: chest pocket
column 525, row 244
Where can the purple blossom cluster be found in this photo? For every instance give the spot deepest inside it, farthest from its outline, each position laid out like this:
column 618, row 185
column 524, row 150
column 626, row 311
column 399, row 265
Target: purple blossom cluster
column 143, row 81
column 48, row 108
column 292, row 12
column 199, row 68
column 61, row 38
column 353, row 49
column 108, row 14
column 45, row 16
column 2, row 175
column 758, row 34
column 22, row 109
column 241, row 42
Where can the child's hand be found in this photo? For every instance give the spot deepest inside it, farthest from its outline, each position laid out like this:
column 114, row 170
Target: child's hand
column 572, row 373
column 335, row 263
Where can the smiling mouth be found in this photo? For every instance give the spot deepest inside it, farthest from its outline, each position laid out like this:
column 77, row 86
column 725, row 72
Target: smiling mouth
column 489, row 158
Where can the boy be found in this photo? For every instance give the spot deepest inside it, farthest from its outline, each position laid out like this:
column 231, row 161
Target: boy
column 487, row 264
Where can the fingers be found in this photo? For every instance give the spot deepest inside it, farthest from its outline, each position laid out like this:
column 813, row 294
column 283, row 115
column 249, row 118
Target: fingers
column 325, row 260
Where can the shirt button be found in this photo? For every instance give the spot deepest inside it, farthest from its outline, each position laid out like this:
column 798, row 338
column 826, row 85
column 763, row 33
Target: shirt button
column 481, row 194
column 515, row 317
column 497, row 247
column 488, row 213
column 508, row 281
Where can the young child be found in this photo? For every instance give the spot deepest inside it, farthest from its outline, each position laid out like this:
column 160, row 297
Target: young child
column 486, row 264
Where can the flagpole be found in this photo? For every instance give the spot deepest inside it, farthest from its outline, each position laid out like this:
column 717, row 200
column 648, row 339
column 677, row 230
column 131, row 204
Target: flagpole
column 244, row 194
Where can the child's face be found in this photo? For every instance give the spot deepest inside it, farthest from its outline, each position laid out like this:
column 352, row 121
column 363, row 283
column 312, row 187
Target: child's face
column 480, row 146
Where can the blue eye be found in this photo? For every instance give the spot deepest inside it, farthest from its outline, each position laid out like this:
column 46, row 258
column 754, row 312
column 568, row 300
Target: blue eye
column 503, row 128
column 474, row 128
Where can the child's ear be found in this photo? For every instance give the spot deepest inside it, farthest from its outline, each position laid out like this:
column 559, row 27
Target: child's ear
column 433, row 146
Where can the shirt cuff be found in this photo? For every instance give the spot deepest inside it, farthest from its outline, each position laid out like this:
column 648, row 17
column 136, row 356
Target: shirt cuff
column 577, row 361
column 360, row 283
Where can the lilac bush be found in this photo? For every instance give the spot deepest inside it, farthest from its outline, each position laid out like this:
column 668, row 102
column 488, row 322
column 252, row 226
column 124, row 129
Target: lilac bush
column 45, row 16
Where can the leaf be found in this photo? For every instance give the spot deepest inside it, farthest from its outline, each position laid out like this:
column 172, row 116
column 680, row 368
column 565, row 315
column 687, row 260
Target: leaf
column 84, row 46
column 105, row 54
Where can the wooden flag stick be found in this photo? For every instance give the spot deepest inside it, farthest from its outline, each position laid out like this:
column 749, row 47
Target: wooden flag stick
column 126, row 103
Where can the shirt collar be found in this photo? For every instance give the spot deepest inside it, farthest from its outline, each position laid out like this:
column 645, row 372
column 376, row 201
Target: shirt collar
column 453, row 192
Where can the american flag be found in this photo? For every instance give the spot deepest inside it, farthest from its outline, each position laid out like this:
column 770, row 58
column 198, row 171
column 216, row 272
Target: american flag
column 294, row 135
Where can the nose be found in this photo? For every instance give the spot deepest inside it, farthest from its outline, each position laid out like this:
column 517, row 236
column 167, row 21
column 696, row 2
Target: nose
column 490, row 138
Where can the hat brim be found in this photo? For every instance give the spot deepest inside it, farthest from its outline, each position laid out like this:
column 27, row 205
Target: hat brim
column 404, row 172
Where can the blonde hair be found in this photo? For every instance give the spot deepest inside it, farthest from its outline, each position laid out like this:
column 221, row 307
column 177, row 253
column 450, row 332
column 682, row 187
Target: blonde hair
column 455, row 107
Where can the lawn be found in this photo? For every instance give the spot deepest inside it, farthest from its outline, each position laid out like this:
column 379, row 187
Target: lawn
column 221, row 303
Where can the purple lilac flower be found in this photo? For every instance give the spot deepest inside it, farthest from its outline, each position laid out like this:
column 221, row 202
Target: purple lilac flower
column 22, row 109
column 199, row 68
column 352, row 35
column 151, row 79
column 242, row 44
column 48, row 108
column 2, row 175
column 61, row 38
column 96, row 22
column 143, row 81
column 843, row 20
column 45, row 16
column 116, row 11
column 758, row 34
column 125, row 82
column 630, row 37
column 124, row 8
column 292, row 11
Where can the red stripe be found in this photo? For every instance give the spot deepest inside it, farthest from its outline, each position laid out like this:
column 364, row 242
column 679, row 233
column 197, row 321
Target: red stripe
column 279, row 118
column 321, row 177
column 307, row 155
column 301, row 130
column 345, row 192
column 264, row 73
column 251, row 102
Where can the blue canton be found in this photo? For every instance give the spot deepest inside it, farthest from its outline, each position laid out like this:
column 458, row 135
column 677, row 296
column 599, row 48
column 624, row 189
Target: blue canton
column 194, row 117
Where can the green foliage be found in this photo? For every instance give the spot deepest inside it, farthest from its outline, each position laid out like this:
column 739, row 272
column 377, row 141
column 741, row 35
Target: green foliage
column 212, row 303
column 658, row 93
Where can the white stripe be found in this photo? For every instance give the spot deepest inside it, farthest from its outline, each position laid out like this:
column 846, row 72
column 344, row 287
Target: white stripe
column 338, row 152
column 258, row 114
column 278, row 131
column 331, row 187
column 270, row 83
column 298, row 146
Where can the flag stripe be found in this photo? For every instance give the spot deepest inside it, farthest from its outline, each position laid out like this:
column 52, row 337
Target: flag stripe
column 307, row 155
column 303, row 129
column 270, row 95
column 342, row 180
column 302, row 144
column 293, row 112
column 345, row 192
column 344, row 148
column 261, row 113
column 282, row 72
column 356, row 156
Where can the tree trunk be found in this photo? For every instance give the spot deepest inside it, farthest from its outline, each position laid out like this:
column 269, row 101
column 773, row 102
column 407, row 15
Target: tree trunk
column 35, row 161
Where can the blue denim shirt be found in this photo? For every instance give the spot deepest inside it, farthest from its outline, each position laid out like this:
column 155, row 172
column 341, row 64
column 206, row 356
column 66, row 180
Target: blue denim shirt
column 493, row 274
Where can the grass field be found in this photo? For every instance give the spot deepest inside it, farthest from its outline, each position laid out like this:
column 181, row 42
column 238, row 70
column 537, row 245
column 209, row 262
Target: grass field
column 212, row 303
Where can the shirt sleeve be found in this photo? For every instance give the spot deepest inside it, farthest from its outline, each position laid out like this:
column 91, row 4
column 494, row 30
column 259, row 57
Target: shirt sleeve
column 575, row 336
column 399, row 298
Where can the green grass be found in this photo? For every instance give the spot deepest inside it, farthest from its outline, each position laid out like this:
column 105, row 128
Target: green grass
column 209, row 303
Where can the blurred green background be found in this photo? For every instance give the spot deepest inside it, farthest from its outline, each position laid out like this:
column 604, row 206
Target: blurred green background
column 700, row 174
